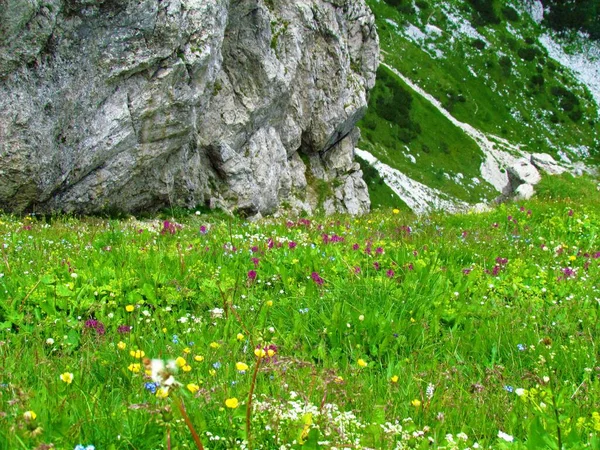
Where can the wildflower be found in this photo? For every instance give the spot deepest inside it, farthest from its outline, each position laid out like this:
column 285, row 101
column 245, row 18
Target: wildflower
column 338, row 380
column 121, row 345
column 150, row 386
column 95, row 325
column 187, row 350
column 521, row 347
column 394, row 379
column 240, row 337
column 29, row 416
column 162, row 392
column 134, row 367
column 362, row 363
column 252, row 275
column 241, row 367
column 49, row 341
column 214, row 345
column 232, row 403
column 317, row 279
column 186, row 368
column 269, row 303
column 430, row 390
column 193, row 388
column 124, row 329
column 396, row 211
column 506, row 437
column 260, row 353
column 129, row 308
column 67, row 377
column 199, row 358
column 416, row 403
column 520, row 392
column 508, row 388
column 138, row 354
column 180, row 362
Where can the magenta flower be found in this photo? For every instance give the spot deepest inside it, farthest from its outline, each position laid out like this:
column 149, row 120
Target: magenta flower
column 390, row 273
column 317, row 279
column 255, row 261
column 355, row 247
column 292, row 245
column 252, row 275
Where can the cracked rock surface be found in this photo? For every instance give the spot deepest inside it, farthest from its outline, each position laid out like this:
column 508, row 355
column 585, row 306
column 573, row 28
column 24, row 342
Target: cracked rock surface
column 134, row 105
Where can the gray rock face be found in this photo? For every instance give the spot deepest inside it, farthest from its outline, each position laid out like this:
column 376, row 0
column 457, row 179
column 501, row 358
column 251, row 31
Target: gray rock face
column 138, row 104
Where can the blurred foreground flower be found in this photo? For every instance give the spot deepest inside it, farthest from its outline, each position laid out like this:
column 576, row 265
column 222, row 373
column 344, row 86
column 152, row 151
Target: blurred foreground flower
column 232, row 403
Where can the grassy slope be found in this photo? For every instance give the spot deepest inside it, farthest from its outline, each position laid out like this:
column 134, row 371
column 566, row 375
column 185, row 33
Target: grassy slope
column 478, row 88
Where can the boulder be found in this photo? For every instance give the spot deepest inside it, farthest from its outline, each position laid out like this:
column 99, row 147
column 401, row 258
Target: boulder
column 522, row 172
column 524, row 192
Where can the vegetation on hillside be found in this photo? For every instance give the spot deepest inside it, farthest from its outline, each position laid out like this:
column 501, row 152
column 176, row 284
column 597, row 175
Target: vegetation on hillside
column 483, row 62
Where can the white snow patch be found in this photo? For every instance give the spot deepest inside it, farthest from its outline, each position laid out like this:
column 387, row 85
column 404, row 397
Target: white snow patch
column 584, row 65
column 414, row 33
column 392, row 23
column 462, row 26
column 420, row 198
column 535, row 10
column 432, row 29
column 493, row 167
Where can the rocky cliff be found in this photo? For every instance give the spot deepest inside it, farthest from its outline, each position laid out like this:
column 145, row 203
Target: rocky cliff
column 138, row 104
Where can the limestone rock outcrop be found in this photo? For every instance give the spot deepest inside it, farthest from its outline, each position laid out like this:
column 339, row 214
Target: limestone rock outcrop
column 139, row 104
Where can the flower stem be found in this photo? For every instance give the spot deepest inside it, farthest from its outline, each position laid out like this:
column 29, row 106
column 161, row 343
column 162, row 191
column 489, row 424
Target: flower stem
column 188, row 422
column 249, row 405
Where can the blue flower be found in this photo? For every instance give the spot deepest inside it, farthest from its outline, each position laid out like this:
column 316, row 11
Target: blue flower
column 508, row 388
column 150, row 387
column 521, row 347
column 175, row 339
column 217, row 365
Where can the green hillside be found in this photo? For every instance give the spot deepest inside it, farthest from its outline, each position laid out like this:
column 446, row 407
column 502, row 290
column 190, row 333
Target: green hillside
column 487, row 67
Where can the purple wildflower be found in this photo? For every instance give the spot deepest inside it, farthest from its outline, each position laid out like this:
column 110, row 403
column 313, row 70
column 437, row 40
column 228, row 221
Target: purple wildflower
column 252, row 275
column 317, row 279
column 124, row 329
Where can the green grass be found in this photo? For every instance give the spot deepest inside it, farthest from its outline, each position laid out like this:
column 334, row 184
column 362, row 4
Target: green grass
column 465, row 310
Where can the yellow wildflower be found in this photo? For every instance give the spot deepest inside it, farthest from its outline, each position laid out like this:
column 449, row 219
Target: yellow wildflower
column 121, row 345
column 259, row 352
column 199, row 358
column 138, row 354
column 214, row 345
column 240, row 337
column 193, row 388
column 135, row 367
column 67, row 377
column 242, row 367
column 187, row 350
column 180, row 361
column 29, row 415
column 362, row 363
column 394, row 379
column 186, row 368
column 396, row 211
column 162, row 392
column 416, row 403
column 129, row 308
column 232, row 403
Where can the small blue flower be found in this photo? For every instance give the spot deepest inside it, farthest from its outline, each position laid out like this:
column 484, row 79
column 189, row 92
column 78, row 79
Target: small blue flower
column 521, row 347
column 303, row 310
column 217, row 365
column 175, row 339
column 508, row 388
column 151, row 387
